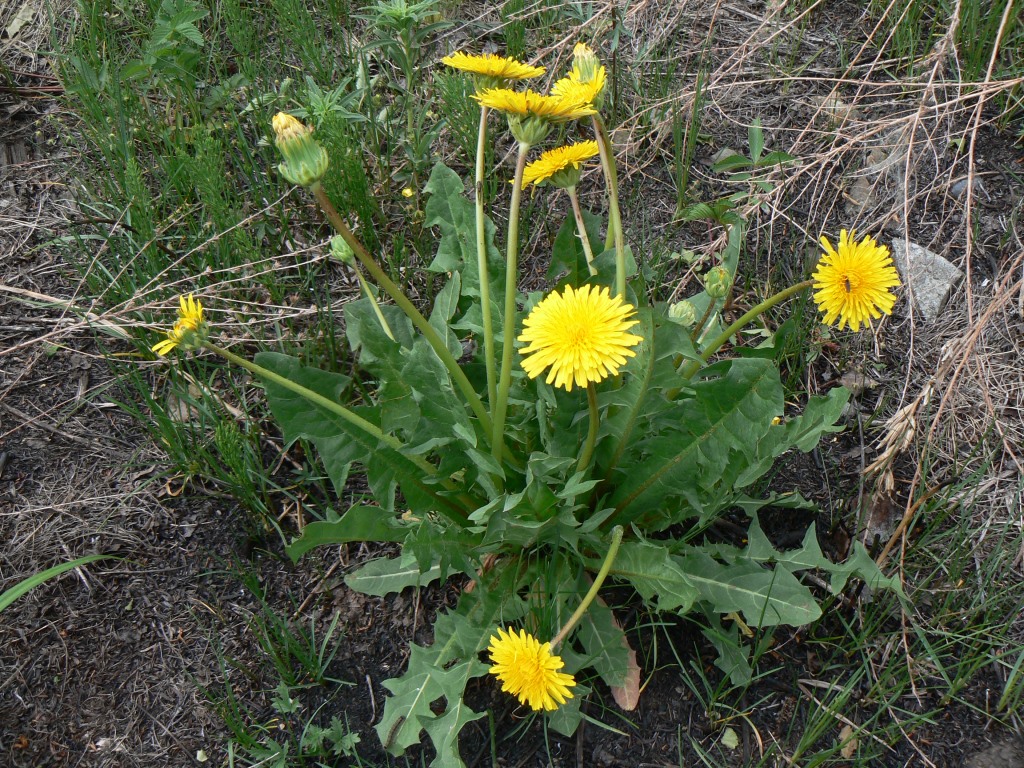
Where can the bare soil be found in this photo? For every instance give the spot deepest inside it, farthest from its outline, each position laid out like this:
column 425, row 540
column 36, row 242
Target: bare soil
column 119, row 663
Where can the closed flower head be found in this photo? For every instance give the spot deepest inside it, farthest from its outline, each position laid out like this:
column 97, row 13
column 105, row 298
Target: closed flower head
column 852, row 282
column 189, row 331
column 584, row 62
column 579, row 337
column 287, row 128
column 305, row 161
column 529, row 671
column 560, row 166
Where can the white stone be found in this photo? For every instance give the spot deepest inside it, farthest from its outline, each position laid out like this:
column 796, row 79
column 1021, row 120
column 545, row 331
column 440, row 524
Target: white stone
column 929, row 277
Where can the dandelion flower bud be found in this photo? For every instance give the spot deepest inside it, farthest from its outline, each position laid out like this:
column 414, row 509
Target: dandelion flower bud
column 683, row 312
column 585, row 62
column 717, row 282
column 342, row 251
column 585, row 83
column 305, row 161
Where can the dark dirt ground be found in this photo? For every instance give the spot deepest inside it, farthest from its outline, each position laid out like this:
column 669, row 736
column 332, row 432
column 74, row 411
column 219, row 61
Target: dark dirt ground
column 107, row 666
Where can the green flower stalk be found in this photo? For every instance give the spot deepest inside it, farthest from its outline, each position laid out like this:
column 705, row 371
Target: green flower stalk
column 581, row 229
column 614, row 215
column 511, row 289
column 446, row 506
column 562, row 167
column 688, row 369
column 343, row 252
column 422, row 324
column 191, row 331
column 489, row 71
column 481, row 261
column 606, row 565
column 595, row 423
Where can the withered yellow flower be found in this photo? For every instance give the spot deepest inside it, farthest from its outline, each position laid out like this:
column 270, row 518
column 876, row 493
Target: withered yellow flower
column 288, row 128
column 584, row 61
column 305, row 161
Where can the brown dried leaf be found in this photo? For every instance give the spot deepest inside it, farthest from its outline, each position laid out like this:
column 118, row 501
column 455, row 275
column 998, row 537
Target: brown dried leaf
column 627, row 695
column 849, row 742
column 880, row 516
column 858, row 383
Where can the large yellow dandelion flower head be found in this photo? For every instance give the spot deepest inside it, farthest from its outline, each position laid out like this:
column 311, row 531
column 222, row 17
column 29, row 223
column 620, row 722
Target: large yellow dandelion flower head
column 579, row 336
column 852, row 281
column 492, row 69
column 560, row 166
column 189, row 329
column 529, row 671
column 532, row 104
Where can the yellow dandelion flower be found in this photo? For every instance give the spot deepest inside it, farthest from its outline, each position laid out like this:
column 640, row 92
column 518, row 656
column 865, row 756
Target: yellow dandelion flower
column 576, row 88
column 557, row 160
column 532, row 104
column 852, row 282
column 580, row 335
column 188, row 330
column 528, row 670
column 490, row 65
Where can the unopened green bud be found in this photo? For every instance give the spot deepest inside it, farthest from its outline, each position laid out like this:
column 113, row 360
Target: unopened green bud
column 305, row 161
column 717, row 282
column 529, row 130
column 342, row 251
column 585, row 62
column 683, row 312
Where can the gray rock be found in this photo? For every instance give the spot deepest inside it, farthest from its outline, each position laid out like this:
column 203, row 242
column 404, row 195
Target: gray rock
column 1007, row 755
column 929, row 277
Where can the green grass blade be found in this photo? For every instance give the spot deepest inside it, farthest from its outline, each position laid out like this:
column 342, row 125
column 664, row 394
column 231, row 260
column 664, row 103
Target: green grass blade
column 19, row 589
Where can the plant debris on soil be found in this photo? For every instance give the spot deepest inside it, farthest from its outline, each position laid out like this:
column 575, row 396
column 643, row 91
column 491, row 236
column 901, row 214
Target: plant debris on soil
column 125, row 662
